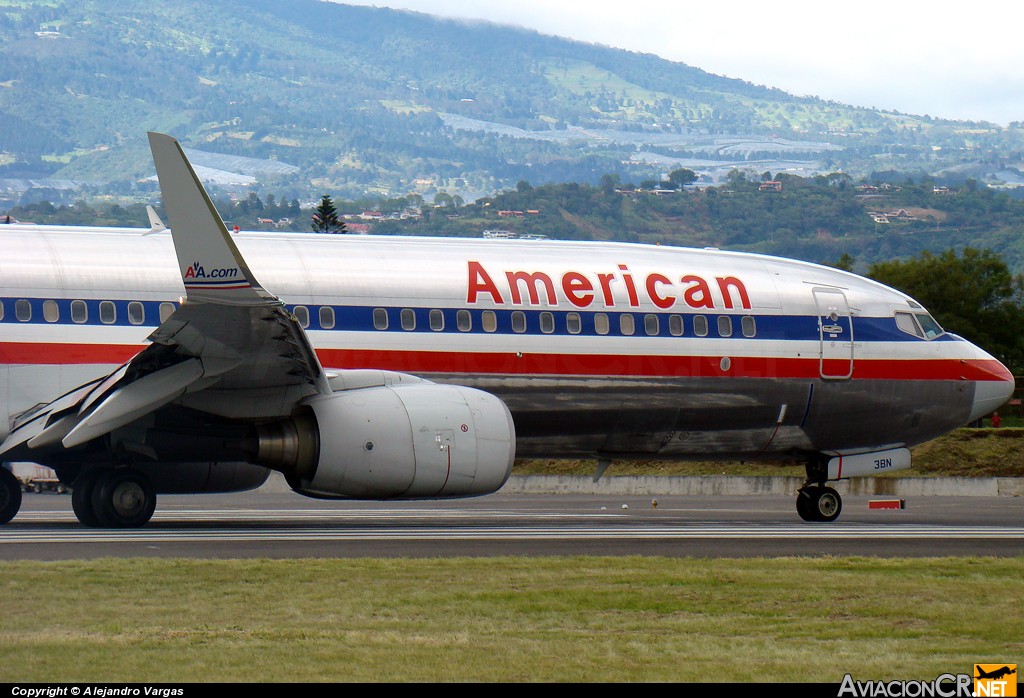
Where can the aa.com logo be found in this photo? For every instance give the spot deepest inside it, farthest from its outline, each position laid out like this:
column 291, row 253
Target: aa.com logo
column 995, row 680
column 988, row 681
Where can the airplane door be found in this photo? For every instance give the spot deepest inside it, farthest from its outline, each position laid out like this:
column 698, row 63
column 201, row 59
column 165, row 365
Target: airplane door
column 835, row 330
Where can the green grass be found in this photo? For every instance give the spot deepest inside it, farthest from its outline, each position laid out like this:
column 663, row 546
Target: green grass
column 507, row 619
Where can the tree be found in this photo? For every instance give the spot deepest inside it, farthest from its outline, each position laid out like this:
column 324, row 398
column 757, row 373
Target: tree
column 845, row 262
column 973, row 295
column 609, row 183
column 325, row 217
column 682, row 177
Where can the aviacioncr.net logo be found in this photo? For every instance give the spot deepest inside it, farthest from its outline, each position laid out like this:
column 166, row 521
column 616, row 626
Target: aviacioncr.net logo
column 943, row 686
column 995, row 680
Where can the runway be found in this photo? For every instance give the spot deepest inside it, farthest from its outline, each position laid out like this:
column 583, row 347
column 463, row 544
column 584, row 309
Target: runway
column 282, row 525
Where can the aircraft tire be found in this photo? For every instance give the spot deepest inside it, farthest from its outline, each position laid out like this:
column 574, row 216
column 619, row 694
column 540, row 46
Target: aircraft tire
column 10, row 495
column 827, row 504
column 81, row 498
column 805, row 504
column 818, row 503
column 123, row 498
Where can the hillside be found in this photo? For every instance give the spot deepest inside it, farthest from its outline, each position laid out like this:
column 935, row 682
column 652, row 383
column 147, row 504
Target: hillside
column 367, row 100
column 962, row 453
column 818, row 219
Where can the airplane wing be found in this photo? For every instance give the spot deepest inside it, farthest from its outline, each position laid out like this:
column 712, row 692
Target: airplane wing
column 230, row 339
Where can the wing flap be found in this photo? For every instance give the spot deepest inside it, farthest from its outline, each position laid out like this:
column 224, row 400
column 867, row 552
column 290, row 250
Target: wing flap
column 126, row 403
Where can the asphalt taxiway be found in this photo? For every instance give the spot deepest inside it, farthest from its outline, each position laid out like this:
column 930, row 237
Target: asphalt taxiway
column 286, row 525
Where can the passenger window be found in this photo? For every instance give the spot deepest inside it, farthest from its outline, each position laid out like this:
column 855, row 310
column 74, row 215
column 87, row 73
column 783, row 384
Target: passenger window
column 408, row 319
column 108, row 312
column 50, row 311
column 675, row 325
column 651, row 325
column 327, row 317
column 301, row 314
column 136, row 313
column 436, row 320
column 380, row 319
column 23, row 310
column 464, row 321
column 724, row 326
column 519, row 321
column 749, row 326
column 601, row 325
column 489, row 321
column 627, row 325
column 166, row 310
column 573, row 325
column 79, row 312
column 700, row 325
column 547, row 323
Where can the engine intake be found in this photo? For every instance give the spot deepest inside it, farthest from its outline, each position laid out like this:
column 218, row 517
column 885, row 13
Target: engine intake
column 407, row 441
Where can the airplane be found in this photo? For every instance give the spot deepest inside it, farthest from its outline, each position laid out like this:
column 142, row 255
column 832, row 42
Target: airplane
column 994, row 674
column 195, row 360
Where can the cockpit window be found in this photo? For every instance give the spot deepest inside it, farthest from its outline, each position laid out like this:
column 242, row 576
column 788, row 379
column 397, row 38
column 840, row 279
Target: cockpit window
column 930, row 327
column 918, row 324
column 907, row 323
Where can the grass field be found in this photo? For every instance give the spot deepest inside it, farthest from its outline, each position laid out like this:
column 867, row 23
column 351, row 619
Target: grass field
column 507, row 619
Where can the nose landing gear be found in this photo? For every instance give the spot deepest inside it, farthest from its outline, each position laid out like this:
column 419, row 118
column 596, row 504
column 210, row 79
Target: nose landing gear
column 815, row 501
column 818, row 503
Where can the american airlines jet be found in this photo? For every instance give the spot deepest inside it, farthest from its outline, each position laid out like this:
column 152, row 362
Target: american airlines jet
column 195, row 361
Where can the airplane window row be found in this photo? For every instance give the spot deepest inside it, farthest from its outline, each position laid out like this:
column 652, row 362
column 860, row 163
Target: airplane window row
column 624, row 324
column 78, row 311
column 573, row 323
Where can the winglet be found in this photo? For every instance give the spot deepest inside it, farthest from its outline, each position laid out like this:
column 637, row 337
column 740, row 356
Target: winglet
column 155, row 224
column 212, row 268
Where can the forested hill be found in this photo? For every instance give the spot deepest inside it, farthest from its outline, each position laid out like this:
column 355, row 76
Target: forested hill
column 356, row 99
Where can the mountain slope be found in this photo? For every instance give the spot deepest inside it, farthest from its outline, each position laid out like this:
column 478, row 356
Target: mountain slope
column 367, row 99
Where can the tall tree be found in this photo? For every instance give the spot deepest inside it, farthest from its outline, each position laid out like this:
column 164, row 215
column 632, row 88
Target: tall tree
column 682, row 176
column 325, row 217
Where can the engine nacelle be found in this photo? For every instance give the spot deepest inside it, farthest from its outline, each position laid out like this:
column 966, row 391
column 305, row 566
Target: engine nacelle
column 406, row 441
column 204, row 478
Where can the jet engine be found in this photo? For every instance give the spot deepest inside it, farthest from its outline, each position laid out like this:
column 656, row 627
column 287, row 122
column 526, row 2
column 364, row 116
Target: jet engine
column 406, row 441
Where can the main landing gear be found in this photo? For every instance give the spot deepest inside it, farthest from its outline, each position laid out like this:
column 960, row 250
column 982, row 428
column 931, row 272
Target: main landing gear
column 10, row 495
column 815, row 501
column 113, row 498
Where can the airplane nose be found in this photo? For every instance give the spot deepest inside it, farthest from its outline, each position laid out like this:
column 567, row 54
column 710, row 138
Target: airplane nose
column 993, row 385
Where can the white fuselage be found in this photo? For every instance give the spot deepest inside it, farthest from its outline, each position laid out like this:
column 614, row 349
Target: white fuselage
column 677, row 351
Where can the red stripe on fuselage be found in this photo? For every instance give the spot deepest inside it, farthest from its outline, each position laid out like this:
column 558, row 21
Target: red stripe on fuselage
column 508, row 363
column 56, row 354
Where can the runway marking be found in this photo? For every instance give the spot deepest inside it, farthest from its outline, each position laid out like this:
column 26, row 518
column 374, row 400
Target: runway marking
column 447, row 533
column 276, row 515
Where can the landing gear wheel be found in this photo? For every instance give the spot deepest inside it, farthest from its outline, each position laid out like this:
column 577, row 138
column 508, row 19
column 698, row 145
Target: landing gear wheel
column 81, row 498
column 123, row 499
column 818, row 503
column 828, row 505
column 10, row 495
column 803, row 505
